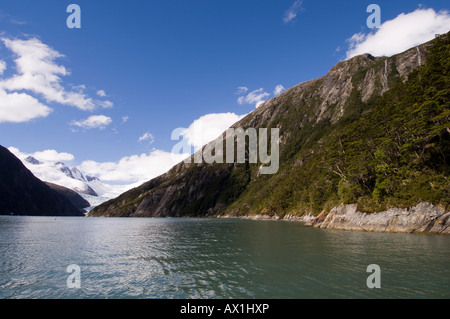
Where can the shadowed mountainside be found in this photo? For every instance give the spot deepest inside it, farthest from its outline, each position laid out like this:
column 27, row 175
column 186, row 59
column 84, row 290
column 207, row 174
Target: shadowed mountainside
column 75, row 198
column 21, row 193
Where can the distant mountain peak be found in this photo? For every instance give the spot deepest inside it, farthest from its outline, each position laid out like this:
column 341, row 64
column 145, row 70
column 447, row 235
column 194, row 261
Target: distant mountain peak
column 32, row 160
column 92, row 178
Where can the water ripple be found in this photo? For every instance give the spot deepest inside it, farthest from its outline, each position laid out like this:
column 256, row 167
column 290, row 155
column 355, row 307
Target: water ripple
column 204, row 258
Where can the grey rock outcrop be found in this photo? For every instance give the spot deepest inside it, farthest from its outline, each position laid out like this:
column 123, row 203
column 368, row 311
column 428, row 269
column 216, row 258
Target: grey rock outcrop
column 422, row 218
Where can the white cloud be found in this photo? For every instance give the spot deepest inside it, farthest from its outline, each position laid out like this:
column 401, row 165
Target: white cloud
column 17, row 21
column 79, row 88
column 53, row 156
column 40, row 76
column 105, row 104
column 208, row 127
column 278, row 89
column 147, row 137
column 18, row 153
column 398, row 35
column 17, row 107
column 47, row 156
column 20, row 107
column 241, row 90
column 101, row 93
column 38, row 73
column 293, row 11
column 2, row 66
column 255, row 97
column 125, row 118
column 94, row 121
column 258, row 104
column 133, row 168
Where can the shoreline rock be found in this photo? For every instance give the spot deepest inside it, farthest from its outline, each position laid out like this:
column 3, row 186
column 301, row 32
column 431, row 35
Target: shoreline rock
column 422, row 218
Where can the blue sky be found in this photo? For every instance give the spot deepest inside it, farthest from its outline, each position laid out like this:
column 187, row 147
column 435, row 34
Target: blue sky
column 164, row 64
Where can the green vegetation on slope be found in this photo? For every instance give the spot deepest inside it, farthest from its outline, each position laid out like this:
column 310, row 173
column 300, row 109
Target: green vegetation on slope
column 392, row 151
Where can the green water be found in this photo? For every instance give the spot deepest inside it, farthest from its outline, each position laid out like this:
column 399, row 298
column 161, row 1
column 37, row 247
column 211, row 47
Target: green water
column 214, row 258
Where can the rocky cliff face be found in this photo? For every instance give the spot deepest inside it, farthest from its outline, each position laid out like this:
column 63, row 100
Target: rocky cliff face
column 308, row 116
column 21, row 193
column 422, row 218
column 327, row 96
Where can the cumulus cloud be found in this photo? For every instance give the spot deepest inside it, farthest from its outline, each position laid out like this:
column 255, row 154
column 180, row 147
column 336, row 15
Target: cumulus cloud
column 39, row 73
column 125, row 118
column 101, row 93
column 94, row 121
column 2, row 66
column 105, row 104
column 241, row 90
column 293, row 11
column 256, row 97
column 38, row 76
column 79, row 88
column 208, row 127
column 405, row 31
column 53, row 156
column 259, row 96
column 147, row 137
column 20, row 107
column 133, row 168
column 278, row 89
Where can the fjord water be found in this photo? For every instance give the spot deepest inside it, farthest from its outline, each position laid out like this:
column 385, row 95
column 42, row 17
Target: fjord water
column 214, row 258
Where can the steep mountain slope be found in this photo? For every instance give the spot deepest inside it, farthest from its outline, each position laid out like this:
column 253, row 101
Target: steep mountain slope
column 88, row 187
column 60, row 174
column 373, row 131
column 78, row 201
column 21, row 193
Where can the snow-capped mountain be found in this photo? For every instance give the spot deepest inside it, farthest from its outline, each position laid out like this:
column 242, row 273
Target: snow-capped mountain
column 89, row 187
column 57, row 172
column 74, row 173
